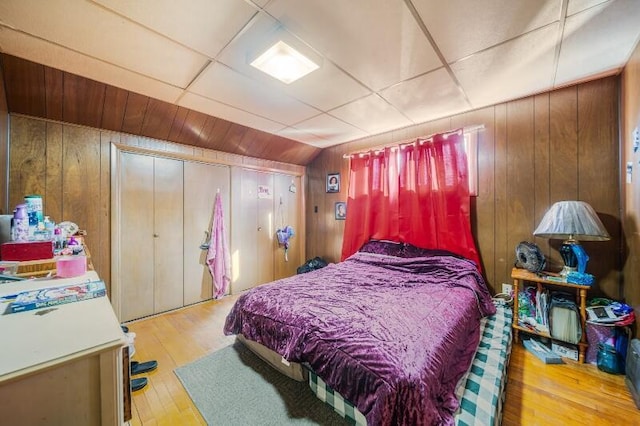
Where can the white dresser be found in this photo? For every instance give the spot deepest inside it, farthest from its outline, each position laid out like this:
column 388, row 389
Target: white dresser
column 60, row 365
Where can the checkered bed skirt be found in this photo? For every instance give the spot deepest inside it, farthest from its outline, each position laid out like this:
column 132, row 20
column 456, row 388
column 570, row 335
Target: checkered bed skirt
column 480, row 391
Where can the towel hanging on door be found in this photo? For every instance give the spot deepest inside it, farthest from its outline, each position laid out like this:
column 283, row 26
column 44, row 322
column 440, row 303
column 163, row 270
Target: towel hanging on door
column 218, row 258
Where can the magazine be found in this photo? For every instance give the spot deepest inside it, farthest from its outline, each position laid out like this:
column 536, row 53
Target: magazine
column 52, row 296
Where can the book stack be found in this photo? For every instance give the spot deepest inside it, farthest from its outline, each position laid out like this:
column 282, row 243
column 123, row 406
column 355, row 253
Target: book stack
column 53, row 296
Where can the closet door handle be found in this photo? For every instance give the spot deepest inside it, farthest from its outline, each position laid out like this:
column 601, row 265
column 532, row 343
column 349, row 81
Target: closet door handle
column 259, row 228
column 155, row 235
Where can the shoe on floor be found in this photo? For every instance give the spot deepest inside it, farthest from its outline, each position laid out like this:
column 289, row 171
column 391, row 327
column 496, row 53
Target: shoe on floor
column 139, row 383
column 143, row 367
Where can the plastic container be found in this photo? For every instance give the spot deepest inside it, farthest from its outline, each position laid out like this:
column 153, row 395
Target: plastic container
column 34, row 209
column 608, row 359
column 20, row 223
column 71, row 266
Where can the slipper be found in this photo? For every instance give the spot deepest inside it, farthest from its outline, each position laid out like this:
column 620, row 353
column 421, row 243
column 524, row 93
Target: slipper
column 143, row 367
column 139, row 383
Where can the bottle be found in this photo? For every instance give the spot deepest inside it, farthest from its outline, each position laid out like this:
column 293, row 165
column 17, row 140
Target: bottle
column 49, row 227
column 21, row 223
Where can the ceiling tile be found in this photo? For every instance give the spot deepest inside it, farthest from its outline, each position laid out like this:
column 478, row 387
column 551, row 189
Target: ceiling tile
column 302, row 136
column 326, row 88
column 462, row 27
column 376, row 41
column 40, row 51
column 371, row 114
column 511, row 70
column 226, row 112
column 203, row 25
column 330, row 129
column 312, row 89
column 576, row 6
column 427, row 97
column 113, row 39
column 587, row 47
column 222, row 84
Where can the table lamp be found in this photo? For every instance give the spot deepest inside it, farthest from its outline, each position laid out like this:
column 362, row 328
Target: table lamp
column 572, row 221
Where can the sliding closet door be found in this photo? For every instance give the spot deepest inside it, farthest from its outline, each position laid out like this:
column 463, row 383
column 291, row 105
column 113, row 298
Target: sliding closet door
column 244, row 228
column 135, row 244
column 288, row 211
column 201, row 182
column 168, row 234
column 253, row 231
column 266, row 235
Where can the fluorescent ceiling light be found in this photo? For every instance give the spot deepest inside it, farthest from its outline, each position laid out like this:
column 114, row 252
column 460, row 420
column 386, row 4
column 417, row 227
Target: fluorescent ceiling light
column 283, row 62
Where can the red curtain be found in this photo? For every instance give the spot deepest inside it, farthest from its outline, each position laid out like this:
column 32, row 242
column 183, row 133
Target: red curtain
column 416, row 193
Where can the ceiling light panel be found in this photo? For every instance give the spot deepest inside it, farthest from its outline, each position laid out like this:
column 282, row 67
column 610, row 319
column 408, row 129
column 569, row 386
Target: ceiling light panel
column 112, row 38
column 203, row 25
column 222, row 84
column 376, row 41
column 471, row 26
column 511, row 70
column 284, row 63
column 586, row 45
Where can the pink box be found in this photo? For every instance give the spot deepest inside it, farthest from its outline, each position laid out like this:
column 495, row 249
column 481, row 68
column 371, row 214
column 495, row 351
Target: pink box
column 71, row 266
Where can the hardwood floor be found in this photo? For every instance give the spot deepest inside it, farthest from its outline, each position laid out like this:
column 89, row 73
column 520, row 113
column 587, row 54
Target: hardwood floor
column 537, row 394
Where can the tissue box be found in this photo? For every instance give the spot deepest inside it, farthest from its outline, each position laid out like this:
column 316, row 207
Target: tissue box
column 27, row 250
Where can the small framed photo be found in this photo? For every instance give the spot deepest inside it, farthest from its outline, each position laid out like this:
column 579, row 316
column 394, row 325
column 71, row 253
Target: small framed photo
column 333, row 182
column 341, row 210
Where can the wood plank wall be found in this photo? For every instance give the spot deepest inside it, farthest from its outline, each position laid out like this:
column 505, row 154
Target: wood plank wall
column 630, row 102
column 40, row 91
column 559, row 145
column 4, row 127
column 70, row 166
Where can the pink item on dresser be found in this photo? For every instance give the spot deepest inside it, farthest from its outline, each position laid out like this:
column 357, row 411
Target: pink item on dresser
column 71, row 266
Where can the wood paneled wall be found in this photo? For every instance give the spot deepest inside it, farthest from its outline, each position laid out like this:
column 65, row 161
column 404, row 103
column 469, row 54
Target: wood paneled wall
column 630, row 94
column 69, row 166
column 4, row 127
column 559, row 145
column 40, row 91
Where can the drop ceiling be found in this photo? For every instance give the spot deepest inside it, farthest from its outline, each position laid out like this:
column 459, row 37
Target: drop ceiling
column 384, row 64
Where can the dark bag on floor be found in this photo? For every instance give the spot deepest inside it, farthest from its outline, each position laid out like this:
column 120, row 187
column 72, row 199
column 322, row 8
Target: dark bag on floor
column 312, row 264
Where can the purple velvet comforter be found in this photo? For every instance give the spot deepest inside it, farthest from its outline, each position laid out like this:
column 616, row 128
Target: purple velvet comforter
column 392, row 335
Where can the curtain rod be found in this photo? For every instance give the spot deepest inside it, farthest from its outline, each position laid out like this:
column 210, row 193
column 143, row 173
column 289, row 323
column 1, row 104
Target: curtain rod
column 467, row 129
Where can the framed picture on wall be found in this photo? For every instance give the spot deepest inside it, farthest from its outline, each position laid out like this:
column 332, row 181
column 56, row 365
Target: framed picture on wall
column 333, row 182
column 341, row 210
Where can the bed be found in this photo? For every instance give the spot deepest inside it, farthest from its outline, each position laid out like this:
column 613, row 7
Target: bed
column 480, row 392
column 392, row 329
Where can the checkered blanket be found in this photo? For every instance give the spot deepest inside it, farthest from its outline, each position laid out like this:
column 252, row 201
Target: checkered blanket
column 480, row 391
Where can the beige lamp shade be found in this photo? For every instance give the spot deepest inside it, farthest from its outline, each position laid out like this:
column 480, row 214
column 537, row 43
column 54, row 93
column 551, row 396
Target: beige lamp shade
column 572, row 220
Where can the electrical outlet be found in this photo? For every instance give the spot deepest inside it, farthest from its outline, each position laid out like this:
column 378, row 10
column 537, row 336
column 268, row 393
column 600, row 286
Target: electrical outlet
column 507, row 288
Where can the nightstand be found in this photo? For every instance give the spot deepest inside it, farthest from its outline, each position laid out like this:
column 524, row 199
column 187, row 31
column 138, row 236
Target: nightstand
column 521, row 276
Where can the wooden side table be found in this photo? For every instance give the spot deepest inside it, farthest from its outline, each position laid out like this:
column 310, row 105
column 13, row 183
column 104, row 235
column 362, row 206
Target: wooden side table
column 521, row 276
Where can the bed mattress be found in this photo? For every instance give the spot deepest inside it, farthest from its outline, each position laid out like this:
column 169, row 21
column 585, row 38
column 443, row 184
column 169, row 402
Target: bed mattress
column 480, row 391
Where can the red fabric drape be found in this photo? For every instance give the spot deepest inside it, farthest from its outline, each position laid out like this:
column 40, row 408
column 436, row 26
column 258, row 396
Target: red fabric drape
column 417, row 193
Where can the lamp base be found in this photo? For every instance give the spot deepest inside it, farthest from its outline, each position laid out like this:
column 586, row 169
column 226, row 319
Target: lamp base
column 565, row 270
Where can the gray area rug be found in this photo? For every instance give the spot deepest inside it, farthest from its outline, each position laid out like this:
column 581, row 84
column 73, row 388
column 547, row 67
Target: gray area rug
column 232, row 386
